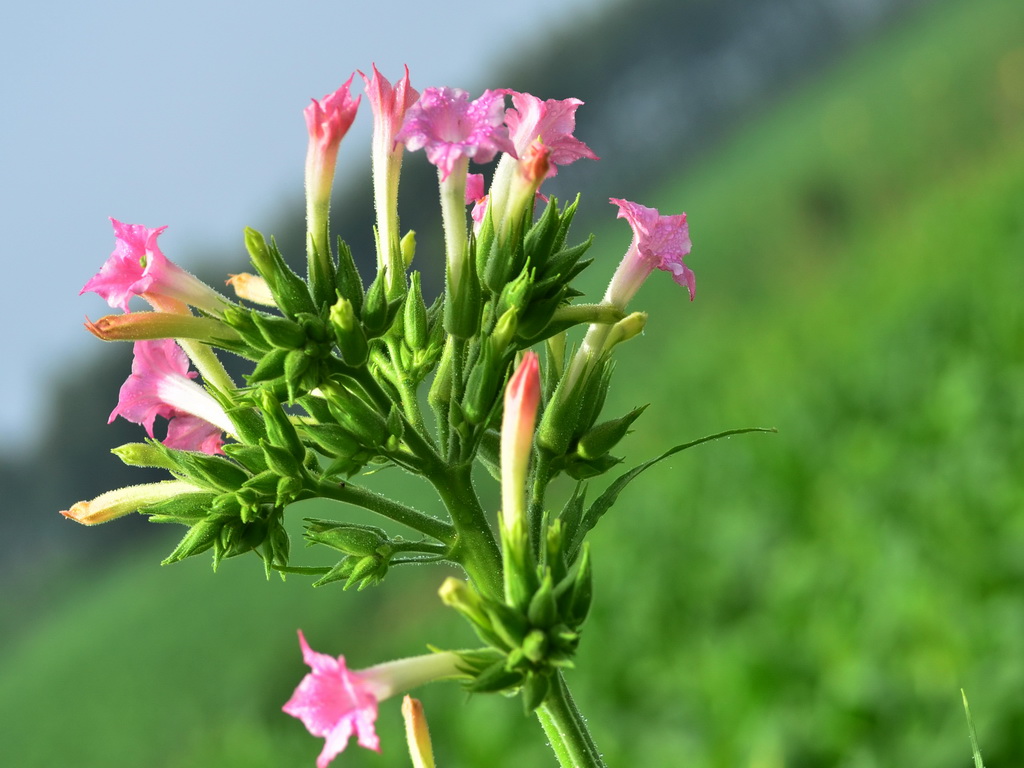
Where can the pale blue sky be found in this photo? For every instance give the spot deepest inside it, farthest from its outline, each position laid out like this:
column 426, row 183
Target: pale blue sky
column 188, row 114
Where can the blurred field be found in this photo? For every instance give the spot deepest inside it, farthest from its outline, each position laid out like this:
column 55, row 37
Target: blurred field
column 812, row 598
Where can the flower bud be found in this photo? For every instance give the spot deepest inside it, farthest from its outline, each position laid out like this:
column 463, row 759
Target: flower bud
column 349, row 333
column 123, row 501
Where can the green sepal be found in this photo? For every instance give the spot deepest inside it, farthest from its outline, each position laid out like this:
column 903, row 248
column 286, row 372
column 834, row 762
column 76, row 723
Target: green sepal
column 320, row 269
column 249, row 456
column 289, row 290
column 489, row 452
column 349, row 333
column 582, row 592
column 249, row 425
column 535, row 689
column 509, row 624
column 497, row 677
column 144, row 455
column 269, row 367
column 482, row 385
column 355, row 415
column 281, row 461
column 584, row 469
column 186, row 508
column 606, row 435
column 571, row 516
column 375, row 311
column 535, row 646
column 241, row 320
column 332, row 440
column 347, row 279
column 415, row 324
column 212, row 471
column 543, row 610
column 199, row 538
column 280, row 430
column 280, row 332
column 592, row 397
column 463, row 303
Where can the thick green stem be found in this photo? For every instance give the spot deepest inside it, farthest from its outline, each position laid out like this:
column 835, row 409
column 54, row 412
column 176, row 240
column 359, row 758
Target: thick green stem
column 567, row 730
column 475, row 548
column 393, row 510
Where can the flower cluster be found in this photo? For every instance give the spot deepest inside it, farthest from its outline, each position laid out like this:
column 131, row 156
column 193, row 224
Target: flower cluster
column 341, row 370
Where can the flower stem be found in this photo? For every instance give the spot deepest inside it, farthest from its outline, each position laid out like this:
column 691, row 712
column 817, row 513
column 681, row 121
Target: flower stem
column 566, row 729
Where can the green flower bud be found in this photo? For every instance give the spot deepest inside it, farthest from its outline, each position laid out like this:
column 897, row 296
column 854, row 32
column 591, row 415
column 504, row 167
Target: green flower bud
column 352, row 539
column 415, row 319
column 280, row 429
column 347, row 280
column 349, row 333
column 289, row 290
column 280, row 332
column 606, row 435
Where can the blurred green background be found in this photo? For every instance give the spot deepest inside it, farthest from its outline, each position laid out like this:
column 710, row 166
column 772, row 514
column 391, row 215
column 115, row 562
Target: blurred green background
column 812, row 598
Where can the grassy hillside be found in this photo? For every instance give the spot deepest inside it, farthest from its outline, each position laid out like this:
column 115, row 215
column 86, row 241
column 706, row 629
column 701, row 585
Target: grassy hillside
column 812, row 598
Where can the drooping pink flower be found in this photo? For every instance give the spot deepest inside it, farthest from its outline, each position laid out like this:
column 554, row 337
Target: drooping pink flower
column 328, row 121
column 161, row 385
column 335, row 702
column 137, row 267
column 449, row 126
column 659, row 242
column 552, row 122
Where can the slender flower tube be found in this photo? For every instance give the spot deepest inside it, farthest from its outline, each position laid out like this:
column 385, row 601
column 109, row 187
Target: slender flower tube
column 161, row 385
column 328, row 121
column 123, row 501
column 451, row 129
column 137, row 267
column 389, row 104
column 335, row 702
column 522, row 396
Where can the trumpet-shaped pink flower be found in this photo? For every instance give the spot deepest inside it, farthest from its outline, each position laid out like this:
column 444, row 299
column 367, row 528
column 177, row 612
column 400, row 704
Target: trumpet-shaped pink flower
column 161, row 385
column 138, row 267
column 328, row 121
column 335, row 702
column 658, row 242
column 449, row 126
column 389, row 104
column 552, row 122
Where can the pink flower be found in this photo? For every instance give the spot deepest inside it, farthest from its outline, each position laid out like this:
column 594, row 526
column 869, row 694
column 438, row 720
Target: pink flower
column 336, row 703
column 333, row 702
column 161, row 385
column 389, row 104
column 328, row 121
column 450, row 126
column 476, row 196
column 658, row 242
column 138, row 267
column 552, row 122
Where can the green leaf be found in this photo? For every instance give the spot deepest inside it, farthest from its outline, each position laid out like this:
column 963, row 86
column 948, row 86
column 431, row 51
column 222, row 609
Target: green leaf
column 611, row 493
